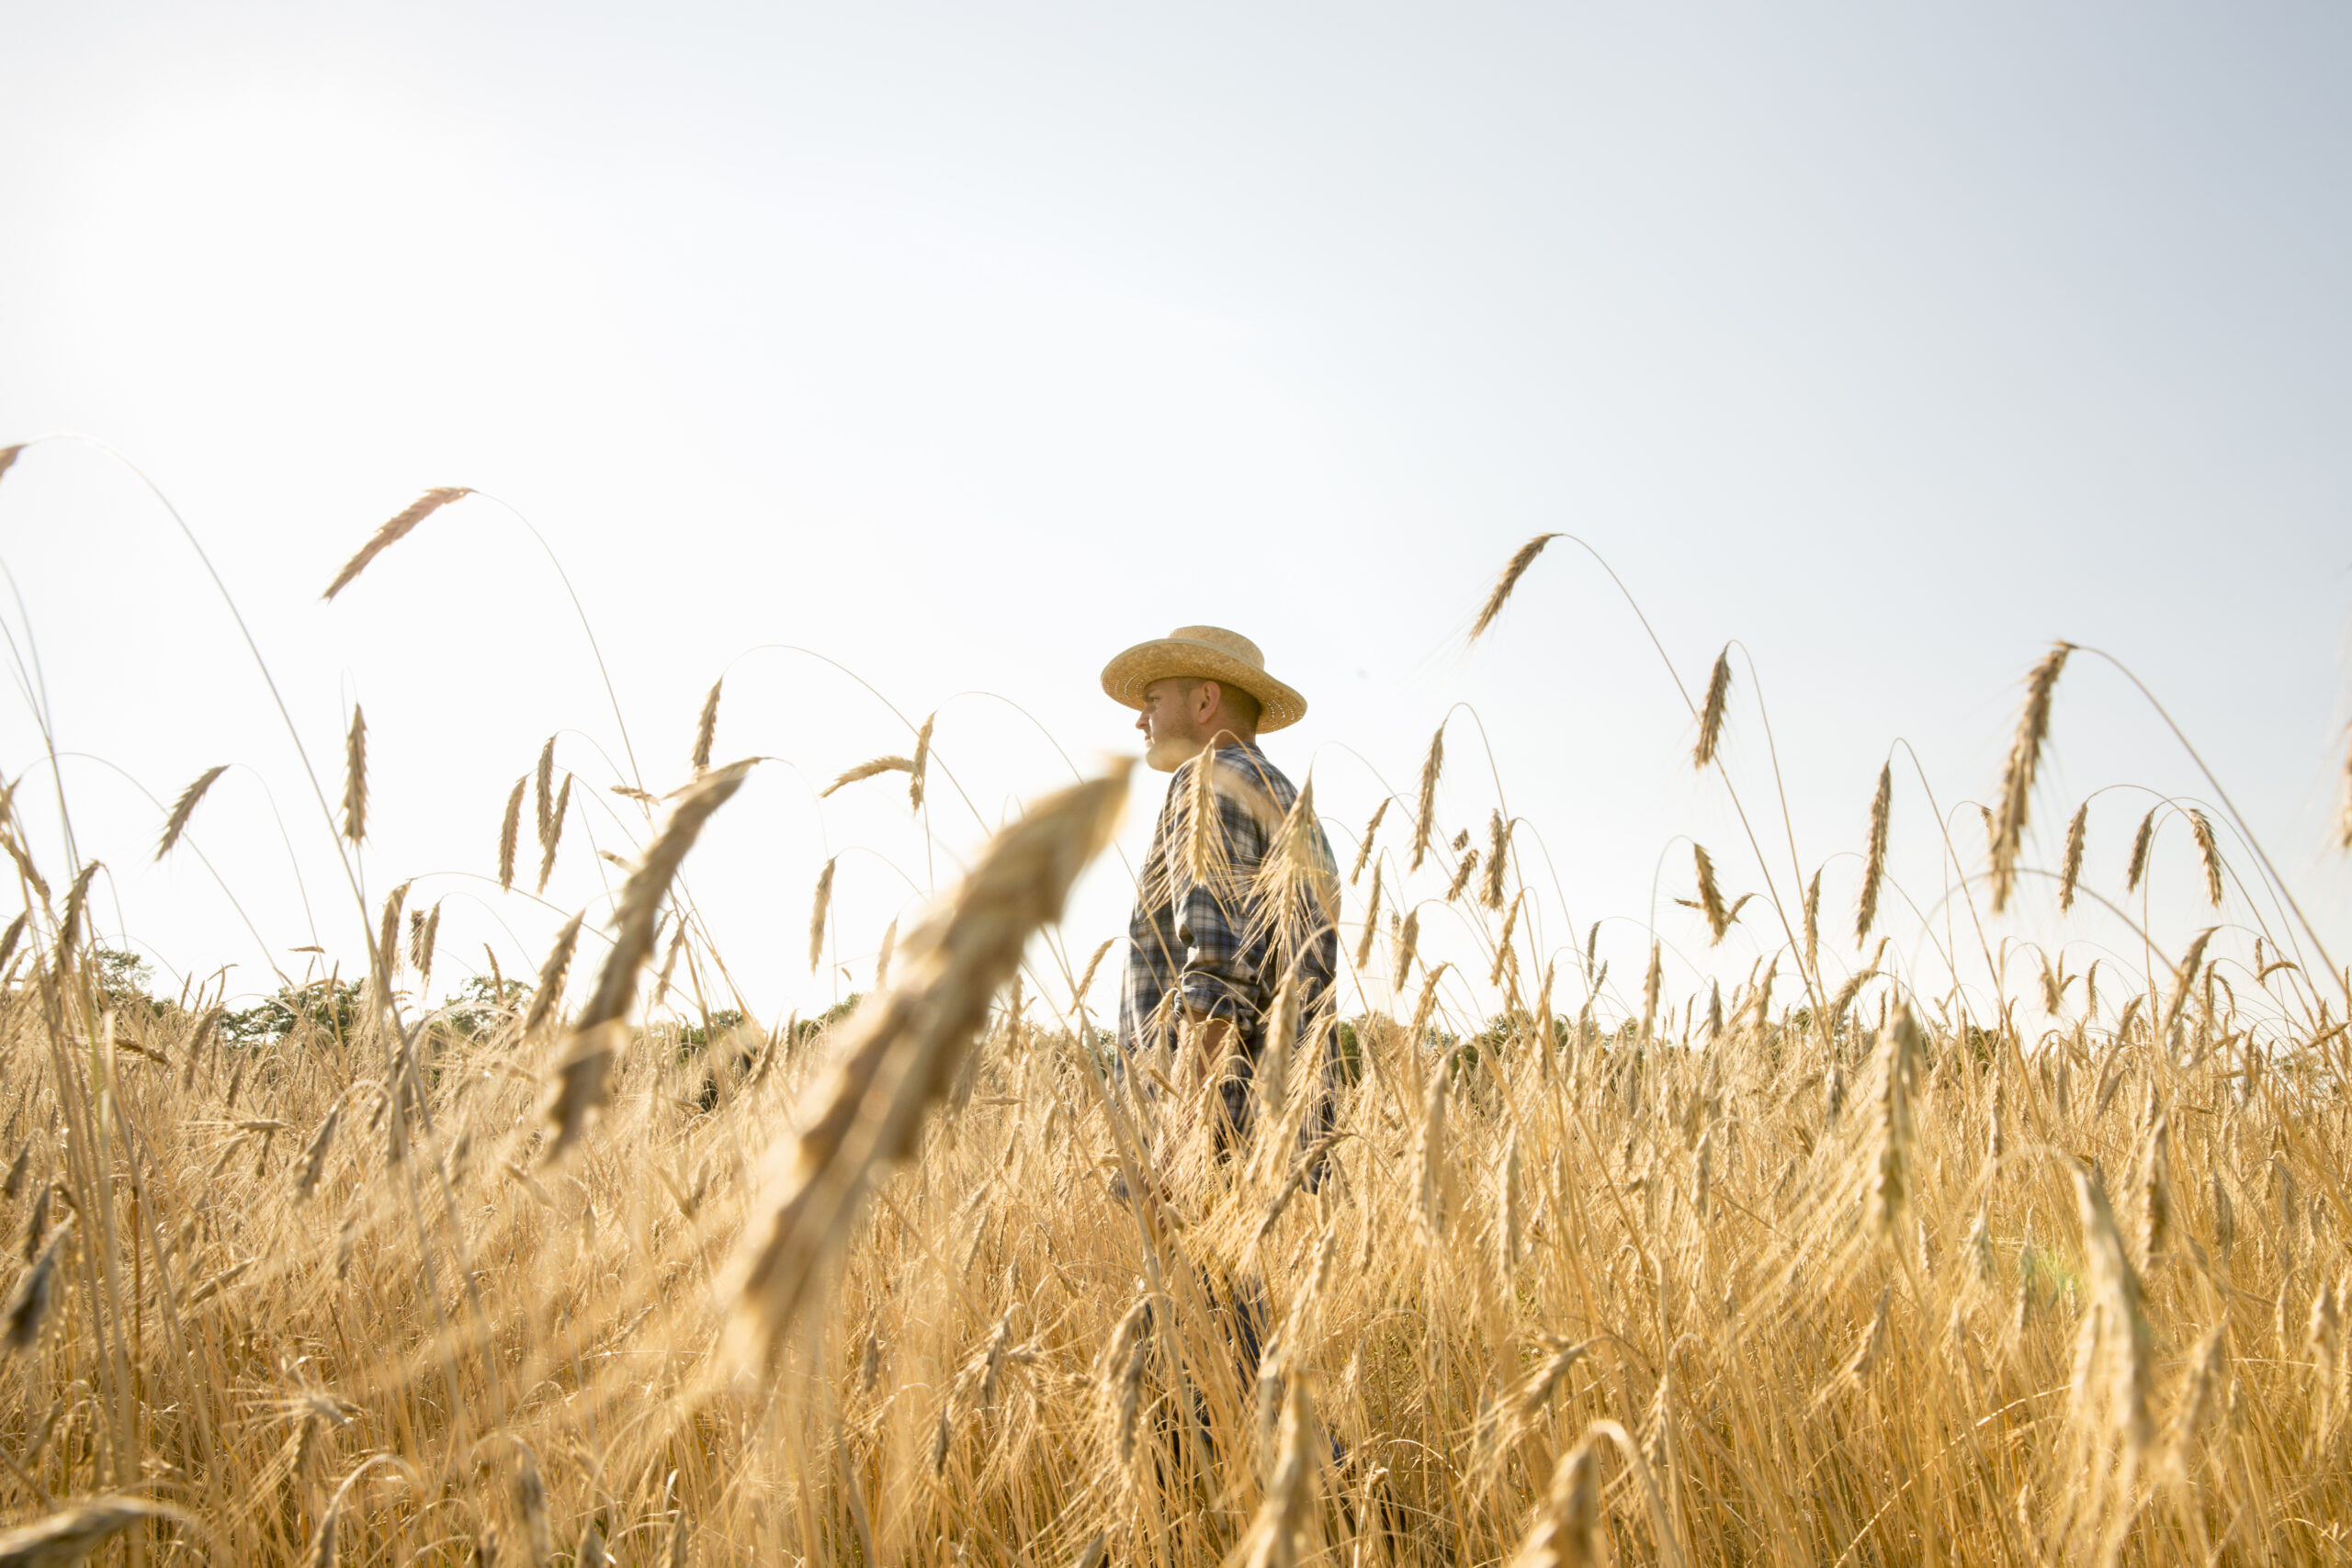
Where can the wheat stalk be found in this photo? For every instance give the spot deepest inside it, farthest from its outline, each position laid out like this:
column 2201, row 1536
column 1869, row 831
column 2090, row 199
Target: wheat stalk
column 597, row 1031
column 1512, row 572
column 1710, row 717
column 391, row 534
column 868, row 770
column 1498, row 861
column 2025, row 760
column 902, row 1054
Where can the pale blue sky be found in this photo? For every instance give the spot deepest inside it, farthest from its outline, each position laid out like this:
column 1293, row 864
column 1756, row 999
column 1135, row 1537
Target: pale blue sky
column 966, row 344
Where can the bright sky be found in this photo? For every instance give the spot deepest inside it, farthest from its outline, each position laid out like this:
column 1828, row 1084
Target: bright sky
column 966, row 344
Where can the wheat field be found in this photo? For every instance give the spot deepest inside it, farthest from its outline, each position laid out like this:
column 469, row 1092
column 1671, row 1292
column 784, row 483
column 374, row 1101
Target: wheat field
column 1811, row 1270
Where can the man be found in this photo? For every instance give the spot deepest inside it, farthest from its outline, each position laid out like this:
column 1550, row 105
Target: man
column 1224, row 920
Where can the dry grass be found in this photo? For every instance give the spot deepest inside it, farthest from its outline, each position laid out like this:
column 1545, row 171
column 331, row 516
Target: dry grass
column 1704, row 1279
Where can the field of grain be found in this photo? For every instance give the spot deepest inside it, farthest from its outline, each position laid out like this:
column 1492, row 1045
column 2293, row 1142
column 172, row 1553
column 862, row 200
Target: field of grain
column 1813, row 1269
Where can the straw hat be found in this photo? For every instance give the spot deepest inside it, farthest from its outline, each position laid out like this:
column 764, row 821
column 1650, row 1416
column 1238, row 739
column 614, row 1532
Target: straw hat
column 1204, row 653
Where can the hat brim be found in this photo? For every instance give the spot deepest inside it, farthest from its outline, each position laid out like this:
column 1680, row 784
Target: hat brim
column 1127, row 676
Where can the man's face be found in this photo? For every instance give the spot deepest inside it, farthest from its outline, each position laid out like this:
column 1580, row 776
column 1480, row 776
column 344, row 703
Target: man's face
column 1170, row 722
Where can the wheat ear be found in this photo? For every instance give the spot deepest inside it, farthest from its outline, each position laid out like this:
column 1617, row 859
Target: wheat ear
column 902, row 1054
column 69, row 923
column 1813, row 923
column 1408, row 940
column 819, row 909
column 2210, row 852
column 2140, row 843
column 707, row 727
column 556, row 815
column 2115, row 1338
column 184, row 808
column 510, row 828
column 1461, row 874
column 1566, row 1530
column 596, row 1034
column 921, row 769
column 29, row 1304
column 1710, row 897
column 2025, row 760
column 2070, row 872
column 543, row 794
column 2183, row 981
column 82, row 1527
column 1363, row 848
column 868, row 770
column 1710, row 717
column 354, row 778
column 1425, row 812
column 1513, row 572
column 1498, row 861
column 1277, row 1536
column 391, row 534
column 1874, row 866
column 552, row 974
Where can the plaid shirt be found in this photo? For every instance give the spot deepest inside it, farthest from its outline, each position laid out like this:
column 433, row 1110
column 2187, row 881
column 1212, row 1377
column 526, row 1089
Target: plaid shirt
column 1217, row 947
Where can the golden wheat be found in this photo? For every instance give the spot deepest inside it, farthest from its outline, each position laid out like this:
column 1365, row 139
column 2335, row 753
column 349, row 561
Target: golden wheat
column 391, row 532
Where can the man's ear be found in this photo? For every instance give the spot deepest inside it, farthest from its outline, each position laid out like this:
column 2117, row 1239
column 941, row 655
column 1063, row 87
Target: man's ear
column 1207, row 697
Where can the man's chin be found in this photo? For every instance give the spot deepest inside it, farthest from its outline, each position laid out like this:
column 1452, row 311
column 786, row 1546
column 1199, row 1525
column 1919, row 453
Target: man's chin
column 1167, row 756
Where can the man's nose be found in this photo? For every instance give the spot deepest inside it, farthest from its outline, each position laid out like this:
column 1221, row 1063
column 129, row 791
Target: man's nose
column 1143, row 722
